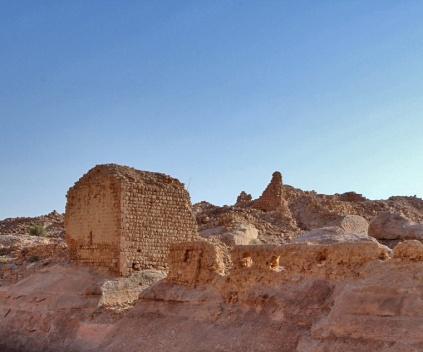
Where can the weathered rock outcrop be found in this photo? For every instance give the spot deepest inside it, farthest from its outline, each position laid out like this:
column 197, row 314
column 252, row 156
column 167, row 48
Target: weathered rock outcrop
column 389, row 226
column 409, row 250
column 122, row 292
column 22, row 255
column 382, row 311
column 352, row 223
column 332, row 234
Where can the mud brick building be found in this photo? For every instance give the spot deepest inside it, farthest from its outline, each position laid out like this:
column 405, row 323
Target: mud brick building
column 123, row 220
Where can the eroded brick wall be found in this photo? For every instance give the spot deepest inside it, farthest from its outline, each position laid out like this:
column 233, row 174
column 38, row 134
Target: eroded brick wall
column 333, row 261
column 125, row 220
column 93, row 221
column 196, row 262
column 156, row 215
column 272, row 197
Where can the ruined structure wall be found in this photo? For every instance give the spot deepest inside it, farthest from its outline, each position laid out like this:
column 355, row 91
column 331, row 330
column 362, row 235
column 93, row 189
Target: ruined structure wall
column 93, row 222
column 155, row 215
column 333, row 261
column 196, row 262
column 272, row 197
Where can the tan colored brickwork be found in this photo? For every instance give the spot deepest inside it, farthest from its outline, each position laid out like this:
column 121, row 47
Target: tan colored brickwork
column 92, row 220
column 197, row 263
column 194, row 262
column 124, row 219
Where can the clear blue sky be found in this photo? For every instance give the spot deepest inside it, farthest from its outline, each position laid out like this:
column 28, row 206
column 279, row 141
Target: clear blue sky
column 216, row 93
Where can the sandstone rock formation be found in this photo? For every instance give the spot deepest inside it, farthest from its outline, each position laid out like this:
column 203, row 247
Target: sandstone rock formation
column 352, row 223
column 331, row 234
column 382, row 311
column 389, row 226
column 409, row 250
column 238, row 233
column 22, row 255
column 121, row 293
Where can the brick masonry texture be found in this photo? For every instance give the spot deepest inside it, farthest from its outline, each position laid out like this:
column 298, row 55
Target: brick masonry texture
column 124, row 220
column 194, row 262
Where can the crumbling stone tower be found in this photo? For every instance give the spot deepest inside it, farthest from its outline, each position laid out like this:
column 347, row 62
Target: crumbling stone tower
column 272, row 197
column 123, row 220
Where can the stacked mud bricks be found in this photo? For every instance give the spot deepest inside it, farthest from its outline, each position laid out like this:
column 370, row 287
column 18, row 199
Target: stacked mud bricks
column 124, row 220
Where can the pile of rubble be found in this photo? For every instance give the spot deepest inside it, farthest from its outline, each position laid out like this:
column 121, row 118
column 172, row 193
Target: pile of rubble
column 22, row 253
column 283, row 213
column 52, row 223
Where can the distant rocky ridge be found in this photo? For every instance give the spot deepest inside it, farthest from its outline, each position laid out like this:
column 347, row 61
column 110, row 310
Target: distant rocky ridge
column 283, row 212
column 52, row 222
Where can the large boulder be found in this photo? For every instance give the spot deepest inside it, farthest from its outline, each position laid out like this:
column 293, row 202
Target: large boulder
column 330, row 235
column 237, row 233
column 409, row 250
column 390, row 226
column 122, row 292
column 352, row 224
column 242, row 234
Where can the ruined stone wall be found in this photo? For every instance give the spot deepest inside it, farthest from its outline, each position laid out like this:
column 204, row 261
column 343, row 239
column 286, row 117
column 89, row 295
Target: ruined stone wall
column 340, row 260
column 196, row 262
column 93, row 221
column 125, row 219
column 156, row 213
column 272, row 197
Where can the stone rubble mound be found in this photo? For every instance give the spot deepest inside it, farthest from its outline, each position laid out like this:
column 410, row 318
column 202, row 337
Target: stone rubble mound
column 332, row 234
column 52, row 222
column 392, row 226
